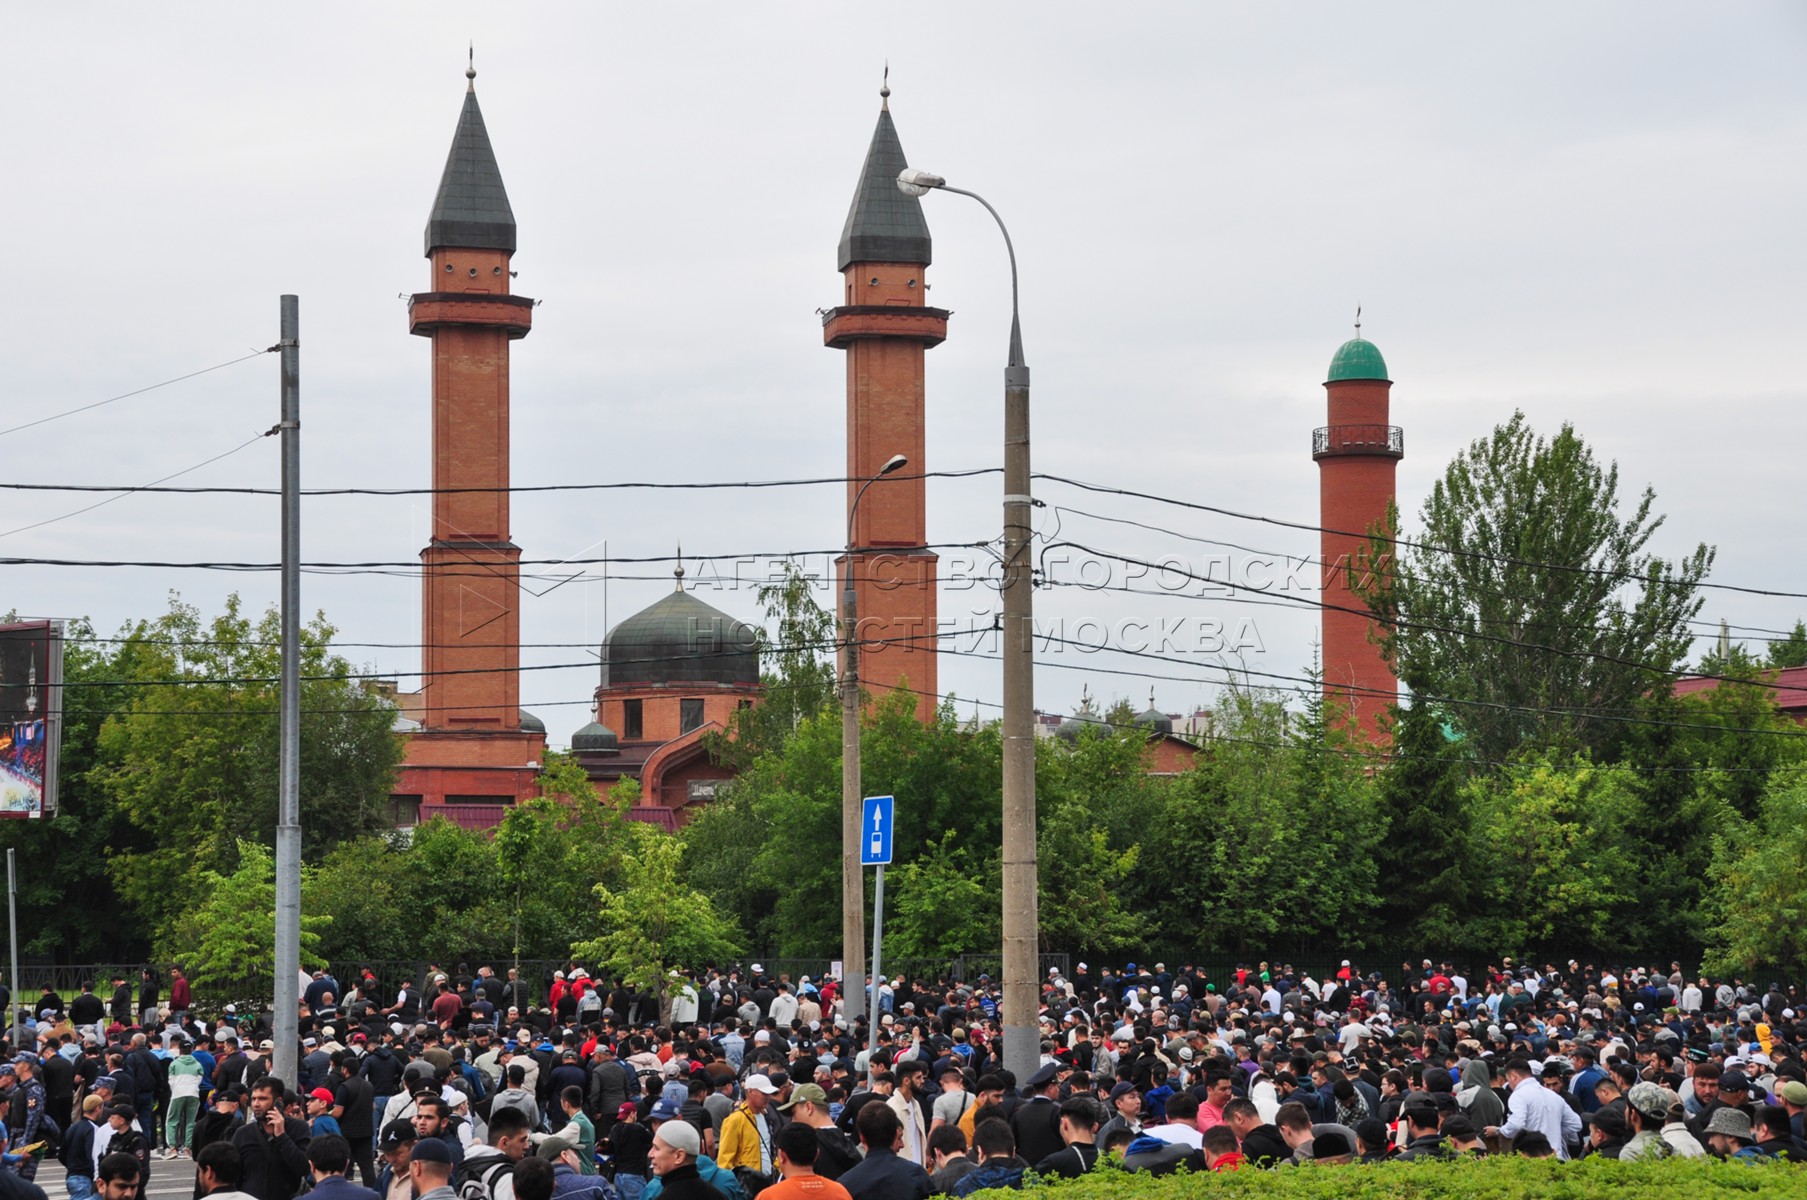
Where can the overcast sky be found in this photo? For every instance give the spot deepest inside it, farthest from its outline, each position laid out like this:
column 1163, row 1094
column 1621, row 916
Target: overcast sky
column 1590, row 212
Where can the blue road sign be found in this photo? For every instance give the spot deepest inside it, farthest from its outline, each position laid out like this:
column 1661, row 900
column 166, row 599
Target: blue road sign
column 875, row 834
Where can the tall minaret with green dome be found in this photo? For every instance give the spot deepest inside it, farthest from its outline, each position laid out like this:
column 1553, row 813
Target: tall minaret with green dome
column 1357, row 452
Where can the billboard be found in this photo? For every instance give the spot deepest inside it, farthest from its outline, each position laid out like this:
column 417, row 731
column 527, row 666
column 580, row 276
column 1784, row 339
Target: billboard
column 31, row 716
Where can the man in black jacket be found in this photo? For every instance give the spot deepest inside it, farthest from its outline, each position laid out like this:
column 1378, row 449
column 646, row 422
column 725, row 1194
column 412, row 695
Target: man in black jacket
column 273, row 1147
column 1036, row 1123
column 86, row 1012
column 122, row 1000
column 884, row 1175
column 354, row 1107
column 1262, row 1144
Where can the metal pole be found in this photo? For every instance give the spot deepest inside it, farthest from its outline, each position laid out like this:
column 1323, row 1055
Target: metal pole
column 12, row 920
column 1022, row 995
column 853, row 883
column 288, row 821
column 878, row 934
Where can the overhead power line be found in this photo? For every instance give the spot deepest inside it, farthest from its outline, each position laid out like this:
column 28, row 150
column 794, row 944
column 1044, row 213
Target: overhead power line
column 70, row 412
column 1597, row 572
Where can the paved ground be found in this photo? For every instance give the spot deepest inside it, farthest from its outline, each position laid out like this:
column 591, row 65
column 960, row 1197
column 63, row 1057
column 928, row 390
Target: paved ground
column 171, row 1179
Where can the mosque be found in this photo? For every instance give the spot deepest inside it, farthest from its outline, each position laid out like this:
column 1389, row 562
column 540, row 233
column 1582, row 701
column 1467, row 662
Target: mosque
column 679, row 669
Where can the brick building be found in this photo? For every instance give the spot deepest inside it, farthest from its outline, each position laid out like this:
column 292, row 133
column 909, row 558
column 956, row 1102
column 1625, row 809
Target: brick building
column 672, row 674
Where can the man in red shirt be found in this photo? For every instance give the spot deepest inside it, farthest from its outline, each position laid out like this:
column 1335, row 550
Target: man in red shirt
column 180, row 998
column 1221, row 1151
column 446, row 1005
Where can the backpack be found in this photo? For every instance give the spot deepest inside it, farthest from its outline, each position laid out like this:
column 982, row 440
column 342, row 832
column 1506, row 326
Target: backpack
column 476, row 1179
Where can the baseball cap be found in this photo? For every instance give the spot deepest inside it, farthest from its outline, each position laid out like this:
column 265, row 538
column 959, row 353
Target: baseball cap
column 1650, row 1099
column 553, row 1147
column 432, row 1150
column 805, row 1091
column 625, row 1111
column 395, row 1135
column 322, row 1095
column 1734, row 1081
column 755, row 1083
column 1794, row 1091
column 664, row 1110
column 1123, row 1088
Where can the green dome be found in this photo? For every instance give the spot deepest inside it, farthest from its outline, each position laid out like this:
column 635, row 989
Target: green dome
column 1358, row 358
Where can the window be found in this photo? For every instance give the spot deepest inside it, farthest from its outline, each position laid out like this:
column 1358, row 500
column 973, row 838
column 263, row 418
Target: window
column 404, row 811
column 690, row 715
column 479, row 799
column 632, row 727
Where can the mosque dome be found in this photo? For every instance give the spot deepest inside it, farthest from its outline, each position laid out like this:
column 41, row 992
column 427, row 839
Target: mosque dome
column 1358, row 358
column 596, row 738
column 681, row 640
column 531, row 723
column 1079, row 722
column 1155, row 721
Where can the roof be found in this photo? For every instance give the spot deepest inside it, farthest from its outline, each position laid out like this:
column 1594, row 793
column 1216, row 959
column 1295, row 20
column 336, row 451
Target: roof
column 883, row 225
column 681, row 640
column 1155, row 721
column 531, row 723
column 595, row 736
column 1790, row 688
column 1358, row 358
column 471, row 210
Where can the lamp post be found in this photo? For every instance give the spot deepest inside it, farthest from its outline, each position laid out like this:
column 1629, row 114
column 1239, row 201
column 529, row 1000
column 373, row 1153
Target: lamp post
column 1022, row 1042
column 853, row 877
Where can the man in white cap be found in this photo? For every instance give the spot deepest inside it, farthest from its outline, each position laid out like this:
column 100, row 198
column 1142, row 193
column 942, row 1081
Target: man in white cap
column 746, row 1137
column 673, row 1157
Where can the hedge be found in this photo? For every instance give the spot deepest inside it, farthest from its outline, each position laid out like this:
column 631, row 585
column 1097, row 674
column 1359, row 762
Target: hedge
column 1507, row 1177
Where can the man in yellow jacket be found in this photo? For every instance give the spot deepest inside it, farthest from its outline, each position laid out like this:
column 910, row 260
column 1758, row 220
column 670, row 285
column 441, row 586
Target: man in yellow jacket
column 747, row 1130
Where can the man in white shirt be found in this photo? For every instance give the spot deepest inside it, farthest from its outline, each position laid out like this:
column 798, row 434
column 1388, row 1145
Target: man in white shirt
column 1534, row 1107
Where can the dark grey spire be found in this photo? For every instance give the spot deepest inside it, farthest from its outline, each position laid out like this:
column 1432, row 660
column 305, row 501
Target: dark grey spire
column 884, row 225
column 471, row 210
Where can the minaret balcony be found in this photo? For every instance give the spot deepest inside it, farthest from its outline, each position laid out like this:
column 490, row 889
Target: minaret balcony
column 1344, row 441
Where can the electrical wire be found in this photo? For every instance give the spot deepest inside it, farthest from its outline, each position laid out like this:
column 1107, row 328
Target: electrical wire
column 1782, row 635
column 1598, row 572
column 122, row 495
column 1399, row 623
column 733, row 484
column 138, row 392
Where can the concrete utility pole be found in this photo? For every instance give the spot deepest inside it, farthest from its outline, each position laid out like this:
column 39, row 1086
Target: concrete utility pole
column 286, row 1062
column 1022, row 987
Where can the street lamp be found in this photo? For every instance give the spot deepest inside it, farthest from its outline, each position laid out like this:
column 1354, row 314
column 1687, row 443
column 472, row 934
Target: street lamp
column 1022, row 1039
column 853, row 879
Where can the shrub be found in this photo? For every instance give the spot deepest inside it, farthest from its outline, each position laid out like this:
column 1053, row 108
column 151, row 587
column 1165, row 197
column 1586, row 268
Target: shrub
column 1509, row 1177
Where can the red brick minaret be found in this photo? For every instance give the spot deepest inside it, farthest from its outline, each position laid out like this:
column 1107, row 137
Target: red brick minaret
column 476, row 744
column 1356, row 454
column 885, row 325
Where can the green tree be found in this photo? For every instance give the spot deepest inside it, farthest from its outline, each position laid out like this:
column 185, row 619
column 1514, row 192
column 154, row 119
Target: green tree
column 65, row 855
column 1271, row 834
column 798, row 668
column 1758, row 902
column 942, row 903
column 1528, row 600
column 1790, row 651
column 1564, row 868
column 189, row 758
column 229, row 938
column 1432, row 868
column 654, row 922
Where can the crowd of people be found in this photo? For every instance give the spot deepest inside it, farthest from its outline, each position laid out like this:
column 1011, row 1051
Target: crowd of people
column 739, row 1083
